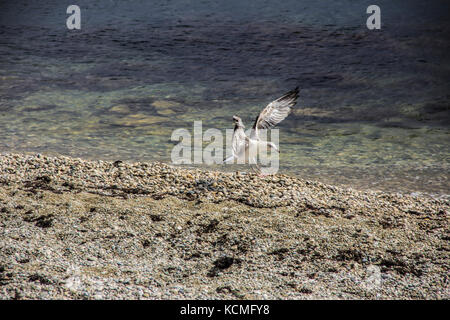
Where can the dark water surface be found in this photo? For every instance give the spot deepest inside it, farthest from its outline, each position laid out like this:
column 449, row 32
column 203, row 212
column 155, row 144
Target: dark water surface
column 374, row 106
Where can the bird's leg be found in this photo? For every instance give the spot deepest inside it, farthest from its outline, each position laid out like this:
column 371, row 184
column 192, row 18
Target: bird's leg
column 256, row 168
column 260, row 172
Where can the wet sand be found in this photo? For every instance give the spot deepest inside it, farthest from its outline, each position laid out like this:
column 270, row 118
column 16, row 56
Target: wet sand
column 77, row 229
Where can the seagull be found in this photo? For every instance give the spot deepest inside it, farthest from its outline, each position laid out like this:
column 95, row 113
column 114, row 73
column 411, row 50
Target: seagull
column 244, row 147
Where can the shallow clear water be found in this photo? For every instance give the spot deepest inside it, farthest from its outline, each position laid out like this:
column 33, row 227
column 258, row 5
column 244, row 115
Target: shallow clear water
column 373, row 109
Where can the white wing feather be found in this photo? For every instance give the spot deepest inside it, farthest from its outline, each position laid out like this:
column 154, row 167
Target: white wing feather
column 274, row 112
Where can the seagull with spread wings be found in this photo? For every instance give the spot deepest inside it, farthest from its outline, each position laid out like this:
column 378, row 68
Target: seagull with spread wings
column 270, row 116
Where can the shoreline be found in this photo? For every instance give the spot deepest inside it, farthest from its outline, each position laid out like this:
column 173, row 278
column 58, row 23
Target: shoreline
column 78, row 229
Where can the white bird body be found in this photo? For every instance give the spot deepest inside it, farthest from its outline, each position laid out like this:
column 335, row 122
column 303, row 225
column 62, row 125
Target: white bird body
column 240, row 142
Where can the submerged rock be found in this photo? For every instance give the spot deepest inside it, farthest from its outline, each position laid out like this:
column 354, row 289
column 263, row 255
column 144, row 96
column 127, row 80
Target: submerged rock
column 138, row 119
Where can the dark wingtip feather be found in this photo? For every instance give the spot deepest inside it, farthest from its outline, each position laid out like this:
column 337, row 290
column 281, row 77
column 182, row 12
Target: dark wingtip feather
column 291, row 95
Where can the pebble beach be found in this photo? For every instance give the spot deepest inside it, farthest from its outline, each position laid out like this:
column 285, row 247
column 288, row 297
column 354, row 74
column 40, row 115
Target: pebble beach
column 78, row 229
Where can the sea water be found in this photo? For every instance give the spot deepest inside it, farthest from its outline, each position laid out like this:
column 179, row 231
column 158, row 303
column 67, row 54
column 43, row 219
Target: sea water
column 373, row 111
